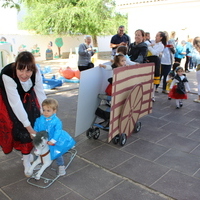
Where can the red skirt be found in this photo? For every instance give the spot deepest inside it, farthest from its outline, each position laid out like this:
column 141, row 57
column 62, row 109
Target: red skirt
column 6, row 132
column 175, row 95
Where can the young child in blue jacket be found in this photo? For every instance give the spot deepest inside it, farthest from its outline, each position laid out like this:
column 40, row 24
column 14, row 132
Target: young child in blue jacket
column 49, row 122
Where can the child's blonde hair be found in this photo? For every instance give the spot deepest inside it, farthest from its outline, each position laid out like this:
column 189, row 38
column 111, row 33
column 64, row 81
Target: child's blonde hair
column 52, row 103
column 198, row 67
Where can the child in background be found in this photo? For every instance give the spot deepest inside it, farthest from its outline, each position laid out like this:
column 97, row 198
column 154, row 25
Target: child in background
column 198, row 81
column 52, row 124
column 119, row 61
column 178, row 87
column 120, row 50
column 169, row 80
column 124, row 50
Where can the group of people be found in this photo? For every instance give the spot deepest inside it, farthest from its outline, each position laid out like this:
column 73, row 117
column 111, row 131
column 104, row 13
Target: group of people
column 25, row 110
column 165, row 53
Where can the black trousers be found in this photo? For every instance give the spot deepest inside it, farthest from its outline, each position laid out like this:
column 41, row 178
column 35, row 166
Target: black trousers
column 165, row 69
column 177, row 60
column 187, row 62
column 175, row 65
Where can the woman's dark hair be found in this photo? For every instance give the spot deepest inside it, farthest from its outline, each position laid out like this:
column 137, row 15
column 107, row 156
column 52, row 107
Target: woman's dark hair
column 164, row 38
column 25, row 59
column 142, row 32
column 122, row 49
column 117, row 59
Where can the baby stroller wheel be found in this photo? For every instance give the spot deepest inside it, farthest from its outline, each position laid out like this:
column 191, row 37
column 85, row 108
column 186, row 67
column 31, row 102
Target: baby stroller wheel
column 115, row 139
column 97, row 133
column 122, row 139
column 137, row 127
column 89, row 133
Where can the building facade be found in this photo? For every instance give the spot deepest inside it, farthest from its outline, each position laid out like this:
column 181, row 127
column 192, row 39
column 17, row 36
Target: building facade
column 162, row 15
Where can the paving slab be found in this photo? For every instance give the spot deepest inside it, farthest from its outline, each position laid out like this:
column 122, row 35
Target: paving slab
column 22, row 190
column 76, row 165
column 195, row 135
column 91, row 181
column 2, row 196
column 145, row 149
column 72, row 196
column 178, row 117
column 5, row 157
column 194, row 123
column 183, row 130
column 141, row 171
column 196, row 151
column 178, row 142
column 153, row 122
column 179, row 186
column 180, row 161
column 107, row 156
column 151, row 134
column 88, row 145
column 127, row 191
column 11, row 171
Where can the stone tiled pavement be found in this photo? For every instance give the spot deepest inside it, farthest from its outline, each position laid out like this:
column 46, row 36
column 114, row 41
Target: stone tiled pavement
column 160, row 162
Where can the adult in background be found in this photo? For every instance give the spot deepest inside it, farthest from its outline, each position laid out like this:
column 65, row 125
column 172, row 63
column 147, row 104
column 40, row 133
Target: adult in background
column 155, row 49
column 120, row 39
column 3, row 39
column 85, row 52
column 21, row 95
column 196, row 60
column 172, row 39
column 167, row 59
column 180, row 51
column 138, row 50
column 147, row 38
column 188, row 62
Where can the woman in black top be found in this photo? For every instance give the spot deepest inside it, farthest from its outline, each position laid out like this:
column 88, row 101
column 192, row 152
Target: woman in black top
column 138, row 50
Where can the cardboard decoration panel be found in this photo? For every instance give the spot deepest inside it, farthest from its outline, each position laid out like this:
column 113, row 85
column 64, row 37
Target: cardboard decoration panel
column 92, row 82
column 131, row 97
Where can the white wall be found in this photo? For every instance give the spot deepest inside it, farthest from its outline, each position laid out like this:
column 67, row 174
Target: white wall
column 104, row 43
column 180, row 17
column 42, row 41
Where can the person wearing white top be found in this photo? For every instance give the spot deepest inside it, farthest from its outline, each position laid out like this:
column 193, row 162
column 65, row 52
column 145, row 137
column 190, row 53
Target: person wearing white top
column 196, row 60
column 155, row 49
column 21, row 95
column 166, row 63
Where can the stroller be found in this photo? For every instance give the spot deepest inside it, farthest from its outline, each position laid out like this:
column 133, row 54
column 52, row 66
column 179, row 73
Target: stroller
column 103, row 112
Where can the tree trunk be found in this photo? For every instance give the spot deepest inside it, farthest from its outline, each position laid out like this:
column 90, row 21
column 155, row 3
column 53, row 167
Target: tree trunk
column 95, row 43
column 59, row 52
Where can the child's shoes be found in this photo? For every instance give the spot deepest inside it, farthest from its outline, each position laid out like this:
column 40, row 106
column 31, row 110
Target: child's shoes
column 197, row 100
column 61, row 170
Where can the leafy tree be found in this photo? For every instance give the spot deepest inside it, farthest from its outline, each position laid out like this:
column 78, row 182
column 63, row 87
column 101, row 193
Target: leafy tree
column 91, row 17
column 59, row 44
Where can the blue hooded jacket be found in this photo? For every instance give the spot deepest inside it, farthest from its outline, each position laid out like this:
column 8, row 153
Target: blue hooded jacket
column 53, row 126
column 180, row 49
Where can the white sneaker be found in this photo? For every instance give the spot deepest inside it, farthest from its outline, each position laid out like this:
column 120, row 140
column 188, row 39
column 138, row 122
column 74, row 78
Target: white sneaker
column 61, row 170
